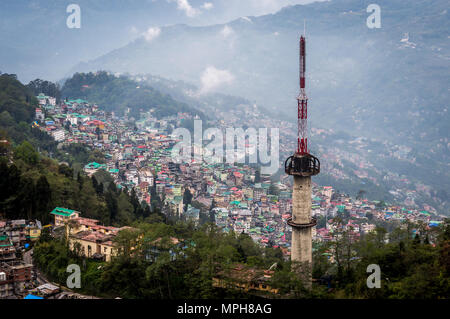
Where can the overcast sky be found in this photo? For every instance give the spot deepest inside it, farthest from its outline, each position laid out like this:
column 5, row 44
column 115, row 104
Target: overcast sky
column 201, row 12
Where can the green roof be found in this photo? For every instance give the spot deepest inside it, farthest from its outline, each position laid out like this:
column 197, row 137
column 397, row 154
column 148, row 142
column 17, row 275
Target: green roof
column 79, row 101
column 94, row 165
column 62, row 211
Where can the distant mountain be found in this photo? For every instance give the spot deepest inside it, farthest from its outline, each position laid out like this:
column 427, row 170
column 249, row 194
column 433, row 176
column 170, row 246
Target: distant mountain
column 385, row 170
column 390, row 83
column 36, row 41
column 119, row 92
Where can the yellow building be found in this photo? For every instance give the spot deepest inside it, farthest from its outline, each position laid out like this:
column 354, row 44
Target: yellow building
column 92, row 240
column 63, row 215
column 85, row 236
column 92, row 244
column 34, row 233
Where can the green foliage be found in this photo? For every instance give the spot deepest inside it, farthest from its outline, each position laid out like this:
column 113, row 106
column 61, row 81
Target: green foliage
column 16, row 99
column 119, row 93
column 26, row 153
column 411, row 268
column 152, row 265
column 48, row 88
column 17, row 109
column 32, row 186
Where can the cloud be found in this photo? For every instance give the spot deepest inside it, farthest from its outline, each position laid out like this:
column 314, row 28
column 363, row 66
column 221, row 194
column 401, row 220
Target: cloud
column 152, row 33
column 260, row 7
column 185, row 6
column 227, row 31
column 213, row 78
column 134, row 30
column 207, row 6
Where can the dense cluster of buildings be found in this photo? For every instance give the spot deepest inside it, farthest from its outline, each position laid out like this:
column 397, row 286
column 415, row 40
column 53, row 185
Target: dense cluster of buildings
column 139, row 156
column 16, row 274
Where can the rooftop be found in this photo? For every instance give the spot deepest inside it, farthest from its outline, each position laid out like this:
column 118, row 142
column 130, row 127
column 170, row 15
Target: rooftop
column 62, row 211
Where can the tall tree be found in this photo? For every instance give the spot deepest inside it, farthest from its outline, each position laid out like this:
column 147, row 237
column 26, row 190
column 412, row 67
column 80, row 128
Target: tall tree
column 43, row 197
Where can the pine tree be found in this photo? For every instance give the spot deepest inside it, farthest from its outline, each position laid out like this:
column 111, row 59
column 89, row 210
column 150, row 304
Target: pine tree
column 43, row 197
column 80, row 181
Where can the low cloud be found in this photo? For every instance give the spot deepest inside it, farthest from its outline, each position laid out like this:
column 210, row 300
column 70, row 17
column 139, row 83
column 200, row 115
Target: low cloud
column 213, row 78
column 227, row 31
column 207, row 6
column 185, row 6
column 152, row 33
column 134, row 30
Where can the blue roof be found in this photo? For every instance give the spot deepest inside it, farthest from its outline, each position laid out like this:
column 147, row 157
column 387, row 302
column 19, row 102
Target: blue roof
column 32, row 297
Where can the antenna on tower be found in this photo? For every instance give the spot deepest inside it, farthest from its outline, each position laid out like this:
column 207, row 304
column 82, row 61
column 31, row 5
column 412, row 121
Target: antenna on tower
column 304, row 28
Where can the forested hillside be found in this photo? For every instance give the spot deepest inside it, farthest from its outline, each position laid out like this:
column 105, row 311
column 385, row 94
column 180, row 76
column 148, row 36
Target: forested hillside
column 117, row 93
column 189, row 257
column 17, row 109
column 32, row 184
column 411, row 268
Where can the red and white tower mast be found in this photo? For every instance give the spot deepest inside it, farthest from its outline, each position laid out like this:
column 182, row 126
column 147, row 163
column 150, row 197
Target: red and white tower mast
column 302, row 165
column 302, row 100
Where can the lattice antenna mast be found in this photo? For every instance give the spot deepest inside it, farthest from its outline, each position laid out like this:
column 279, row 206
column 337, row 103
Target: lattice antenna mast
column 302, row 101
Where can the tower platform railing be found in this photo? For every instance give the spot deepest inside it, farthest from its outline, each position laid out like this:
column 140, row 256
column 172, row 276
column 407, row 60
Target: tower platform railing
column 302, row 165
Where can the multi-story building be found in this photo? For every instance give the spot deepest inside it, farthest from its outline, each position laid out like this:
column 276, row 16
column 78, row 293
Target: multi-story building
column 59, row 135
column 7, row 249
column 63, row 215
column 15, row 279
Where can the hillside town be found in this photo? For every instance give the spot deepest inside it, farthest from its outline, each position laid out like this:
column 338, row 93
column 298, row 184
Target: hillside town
column 236, row 198
column 239, row 197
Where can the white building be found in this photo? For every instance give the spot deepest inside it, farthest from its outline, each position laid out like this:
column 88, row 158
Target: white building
column 146, row 176
column 39, row 115
column 59, row 135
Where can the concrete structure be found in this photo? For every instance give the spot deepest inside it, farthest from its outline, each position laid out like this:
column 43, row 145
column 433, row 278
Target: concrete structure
column 85, row 236
column 7, row 249
column 15, row 279
column 302, row 166
column 301, row 247
column 58, row 135
column 63, row 215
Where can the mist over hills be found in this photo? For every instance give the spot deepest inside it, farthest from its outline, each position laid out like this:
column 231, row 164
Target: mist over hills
column 36, row 41
column 385, row 170
column 365, row 81
column 118, row 93
column 389, row 85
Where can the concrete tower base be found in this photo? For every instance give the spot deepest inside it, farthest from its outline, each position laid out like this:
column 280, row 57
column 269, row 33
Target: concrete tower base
column 301, row 166
column 301, row 246
column 301, row 214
